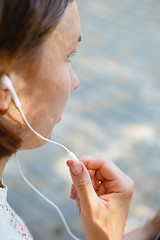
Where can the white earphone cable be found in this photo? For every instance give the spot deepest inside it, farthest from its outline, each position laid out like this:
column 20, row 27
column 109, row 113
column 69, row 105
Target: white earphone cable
column 46, row 139
column 70, row 154
column 46, row 199
column 6, row 84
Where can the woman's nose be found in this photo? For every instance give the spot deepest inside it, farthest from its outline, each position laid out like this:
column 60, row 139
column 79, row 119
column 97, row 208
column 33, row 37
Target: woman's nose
column 74, row 79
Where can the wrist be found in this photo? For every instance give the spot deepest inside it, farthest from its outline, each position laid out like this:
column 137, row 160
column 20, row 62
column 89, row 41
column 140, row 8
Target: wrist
column 105, row 227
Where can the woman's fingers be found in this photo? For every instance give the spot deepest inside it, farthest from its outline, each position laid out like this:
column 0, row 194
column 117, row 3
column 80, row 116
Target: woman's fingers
column 73, row 192
column 74, row 196
column 83, row 183
column 78, row 204
column 103, row 196
column 95, row 183
column 105, row 169
column 105, row 176
column 112, row 179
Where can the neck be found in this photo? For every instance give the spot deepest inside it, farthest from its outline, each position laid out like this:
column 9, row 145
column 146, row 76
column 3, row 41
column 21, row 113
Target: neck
column 3, row 162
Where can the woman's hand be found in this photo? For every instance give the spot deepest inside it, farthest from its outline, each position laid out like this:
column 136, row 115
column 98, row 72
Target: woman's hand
column 103, row 194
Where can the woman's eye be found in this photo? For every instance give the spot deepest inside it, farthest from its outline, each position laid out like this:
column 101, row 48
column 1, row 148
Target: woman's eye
column 71, row 55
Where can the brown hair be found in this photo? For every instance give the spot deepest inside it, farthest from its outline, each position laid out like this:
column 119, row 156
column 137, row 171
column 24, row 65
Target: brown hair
column 23, row 26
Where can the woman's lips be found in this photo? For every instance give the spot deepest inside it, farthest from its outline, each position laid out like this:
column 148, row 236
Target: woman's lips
column 59, row 120
column 50, row 134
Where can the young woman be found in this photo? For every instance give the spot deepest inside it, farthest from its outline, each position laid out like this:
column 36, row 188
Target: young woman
column 36, row 39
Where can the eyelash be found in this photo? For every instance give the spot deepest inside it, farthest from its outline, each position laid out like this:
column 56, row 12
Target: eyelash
column 72, row 54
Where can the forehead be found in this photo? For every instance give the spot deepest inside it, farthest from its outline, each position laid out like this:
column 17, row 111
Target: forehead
column 67, row 31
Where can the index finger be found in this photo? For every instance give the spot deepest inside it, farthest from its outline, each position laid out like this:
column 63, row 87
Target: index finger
column 106, row 168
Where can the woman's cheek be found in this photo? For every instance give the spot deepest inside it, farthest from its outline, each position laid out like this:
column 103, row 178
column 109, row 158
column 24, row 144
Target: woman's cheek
column 63, row 93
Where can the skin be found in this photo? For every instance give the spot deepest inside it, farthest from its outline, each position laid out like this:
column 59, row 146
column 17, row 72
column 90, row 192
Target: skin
column 147, row 232
column 43, row 93
column 102, row 192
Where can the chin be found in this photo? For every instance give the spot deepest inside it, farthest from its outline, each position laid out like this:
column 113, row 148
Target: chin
column 36, row 143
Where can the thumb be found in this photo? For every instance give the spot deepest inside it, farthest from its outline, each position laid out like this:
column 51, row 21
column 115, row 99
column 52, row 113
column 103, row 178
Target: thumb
column 82, row 181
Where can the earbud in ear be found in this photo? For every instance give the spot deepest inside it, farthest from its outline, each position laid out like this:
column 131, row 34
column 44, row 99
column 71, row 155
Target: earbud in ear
column 5, row 84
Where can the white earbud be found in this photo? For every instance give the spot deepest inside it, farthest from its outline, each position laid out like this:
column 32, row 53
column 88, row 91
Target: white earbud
column 6, row 84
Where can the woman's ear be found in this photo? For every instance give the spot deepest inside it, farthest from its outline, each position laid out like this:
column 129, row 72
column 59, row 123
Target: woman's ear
column 5, row 99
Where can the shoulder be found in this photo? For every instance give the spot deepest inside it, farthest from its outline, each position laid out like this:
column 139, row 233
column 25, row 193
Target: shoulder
column 6, row 231
column 11, row 226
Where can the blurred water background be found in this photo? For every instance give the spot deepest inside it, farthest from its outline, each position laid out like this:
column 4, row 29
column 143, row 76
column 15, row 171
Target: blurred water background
column 115, row 111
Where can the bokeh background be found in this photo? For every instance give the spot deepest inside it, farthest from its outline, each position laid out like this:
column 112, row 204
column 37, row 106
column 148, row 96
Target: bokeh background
column 115, row 111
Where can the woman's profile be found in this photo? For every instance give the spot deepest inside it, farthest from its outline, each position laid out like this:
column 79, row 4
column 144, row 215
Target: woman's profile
column 37, row 38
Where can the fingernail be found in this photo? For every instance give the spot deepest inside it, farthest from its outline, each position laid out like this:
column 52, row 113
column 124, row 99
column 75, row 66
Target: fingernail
column 76, row 168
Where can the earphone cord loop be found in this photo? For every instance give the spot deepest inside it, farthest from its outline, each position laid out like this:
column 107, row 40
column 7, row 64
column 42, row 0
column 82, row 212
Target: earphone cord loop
column 45, row 198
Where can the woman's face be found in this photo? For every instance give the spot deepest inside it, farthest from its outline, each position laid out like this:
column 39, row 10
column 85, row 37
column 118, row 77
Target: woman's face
column 43, row 92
